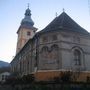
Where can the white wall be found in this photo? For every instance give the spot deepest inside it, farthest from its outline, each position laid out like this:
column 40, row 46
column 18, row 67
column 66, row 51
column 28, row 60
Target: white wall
column 4, row 75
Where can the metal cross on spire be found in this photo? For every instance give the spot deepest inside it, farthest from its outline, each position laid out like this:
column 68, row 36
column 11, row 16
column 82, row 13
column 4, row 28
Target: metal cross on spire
column 63, row 10
column 56, row 14
column 28, row 5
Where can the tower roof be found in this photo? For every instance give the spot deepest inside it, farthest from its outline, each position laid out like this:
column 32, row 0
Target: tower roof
column 66, row 23
column 27, row 21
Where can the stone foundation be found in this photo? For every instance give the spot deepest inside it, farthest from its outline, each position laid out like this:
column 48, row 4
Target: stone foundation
column 50, row 75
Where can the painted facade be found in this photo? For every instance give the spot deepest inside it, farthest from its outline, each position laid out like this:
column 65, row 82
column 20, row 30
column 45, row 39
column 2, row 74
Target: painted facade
column 63, row 45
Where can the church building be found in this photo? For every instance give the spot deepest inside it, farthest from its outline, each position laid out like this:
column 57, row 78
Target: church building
column 61, row 46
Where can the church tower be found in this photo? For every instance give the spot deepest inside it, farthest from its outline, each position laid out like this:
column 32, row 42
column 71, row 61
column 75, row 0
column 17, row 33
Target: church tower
column 26, row 30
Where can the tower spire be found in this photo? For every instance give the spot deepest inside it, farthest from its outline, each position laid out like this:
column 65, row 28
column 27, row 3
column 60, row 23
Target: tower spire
column 26, row 30
column 27, row 18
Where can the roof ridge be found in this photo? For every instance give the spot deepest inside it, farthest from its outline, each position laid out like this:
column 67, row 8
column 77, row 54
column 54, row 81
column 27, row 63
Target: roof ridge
column 64, row 21
column 63, row 18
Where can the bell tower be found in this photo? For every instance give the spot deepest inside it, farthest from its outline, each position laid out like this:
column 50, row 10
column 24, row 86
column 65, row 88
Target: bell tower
column 26, row 30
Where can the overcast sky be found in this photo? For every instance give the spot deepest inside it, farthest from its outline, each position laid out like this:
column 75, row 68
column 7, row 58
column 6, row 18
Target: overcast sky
column 43, row 12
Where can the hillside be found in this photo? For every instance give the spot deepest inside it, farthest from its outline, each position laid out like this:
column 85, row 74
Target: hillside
column 4, row 64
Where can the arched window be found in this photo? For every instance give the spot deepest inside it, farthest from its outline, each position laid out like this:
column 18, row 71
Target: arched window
column 54, row 37
column 44, row 52
column 77, row 57
column 44, row 49
column 55, row 47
